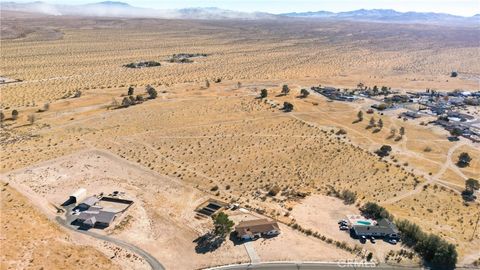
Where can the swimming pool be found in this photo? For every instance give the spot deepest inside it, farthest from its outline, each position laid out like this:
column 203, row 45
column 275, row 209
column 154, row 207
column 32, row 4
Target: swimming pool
column 364, row 222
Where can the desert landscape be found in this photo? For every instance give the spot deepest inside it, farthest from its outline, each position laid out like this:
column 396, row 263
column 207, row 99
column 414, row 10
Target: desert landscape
column 205, row 132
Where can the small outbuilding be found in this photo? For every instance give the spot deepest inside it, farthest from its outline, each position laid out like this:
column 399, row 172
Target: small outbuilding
column 78, row 196
column 257, row 228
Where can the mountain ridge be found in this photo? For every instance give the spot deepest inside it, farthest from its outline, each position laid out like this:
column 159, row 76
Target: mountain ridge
column 122, row 9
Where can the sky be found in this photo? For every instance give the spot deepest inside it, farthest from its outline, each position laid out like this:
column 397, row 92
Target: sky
column 456, row 7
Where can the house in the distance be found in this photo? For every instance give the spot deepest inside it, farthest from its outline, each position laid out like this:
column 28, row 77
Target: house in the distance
column 382, row 229
column 257, row 228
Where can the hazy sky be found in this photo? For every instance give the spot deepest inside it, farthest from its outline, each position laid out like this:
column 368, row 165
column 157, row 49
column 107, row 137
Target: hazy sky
column 458, row 7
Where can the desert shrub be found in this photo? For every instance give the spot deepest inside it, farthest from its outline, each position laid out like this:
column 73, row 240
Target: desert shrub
column 341, row 132
column 214, row 188
column 274, row 191
column 348, row 196
column 427, row 149
column 31, row 119
column 454, row 74
column 384, row 151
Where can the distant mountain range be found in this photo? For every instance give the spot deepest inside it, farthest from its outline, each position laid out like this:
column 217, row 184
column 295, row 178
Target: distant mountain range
column 120, row 9
column 388, row 15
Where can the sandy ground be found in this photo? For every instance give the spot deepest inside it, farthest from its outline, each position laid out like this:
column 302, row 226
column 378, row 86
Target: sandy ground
column 194, row 142
column 31, row 241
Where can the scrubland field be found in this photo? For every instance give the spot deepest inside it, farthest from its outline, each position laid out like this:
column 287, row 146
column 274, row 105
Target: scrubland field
column 192, row 143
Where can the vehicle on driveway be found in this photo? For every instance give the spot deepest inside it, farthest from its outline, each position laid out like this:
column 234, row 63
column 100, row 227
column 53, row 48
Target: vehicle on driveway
column 363, row 239
column 392, row 241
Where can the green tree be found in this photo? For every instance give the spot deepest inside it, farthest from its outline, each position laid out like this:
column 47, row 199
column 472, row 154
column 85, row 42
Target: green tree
column 285, row 90
column 152, row 93
column 464, row 160
column 375, row 90
column 14, row 114
column 360, row 116
column 130, row 90
column 304, row 93
column 239, row 85
column 263, row 93
column 380, row 124
column 222, row 224
column 371, row 123
column 207, row 84
column 402, row 131
column 287, row 106
column 472, row 184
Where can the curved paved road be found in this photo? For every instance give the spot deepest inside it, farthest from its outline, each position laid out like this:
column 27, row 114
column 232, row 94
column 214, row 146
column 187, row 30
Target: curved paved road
column 154, row 263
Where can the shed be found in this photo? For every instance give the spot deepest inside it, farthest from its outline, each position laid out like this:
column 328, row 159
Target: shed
column 78, row 196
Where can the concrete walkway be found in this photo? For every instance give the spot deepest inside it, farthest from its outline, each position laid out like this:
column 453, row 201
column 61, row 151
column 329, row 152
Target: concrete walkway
column 251, row 252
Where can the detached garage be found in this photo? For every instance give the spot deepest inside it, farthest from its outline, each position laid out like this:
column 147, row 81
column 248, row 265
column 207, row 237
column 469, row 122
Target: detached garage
column 78, row 196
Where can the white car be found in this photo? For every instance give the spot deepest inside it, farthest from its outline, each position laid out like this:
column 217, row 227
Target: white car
column 392, row 241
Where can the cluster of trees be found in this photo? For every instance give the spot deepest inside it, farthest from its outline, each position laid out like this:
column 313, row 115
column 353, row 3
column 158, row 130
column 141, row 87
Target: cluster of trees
column 434, row 250
column 375, row 211
column 464, row 160
column 130, row 99
column 143, row 64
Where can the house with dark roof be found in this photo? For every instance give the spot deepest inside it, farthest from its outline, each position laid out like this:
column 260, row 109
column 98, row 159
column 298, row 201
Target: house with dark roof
column 98, row 219
column 257, row 228
column 382, row 229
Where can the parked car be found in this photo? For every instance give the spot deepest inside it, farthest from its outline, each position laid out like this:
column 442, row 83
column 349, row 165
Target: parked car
column 392, row 241
column 344, row 228
column 342, row 221
column 372, row 239
column 363, row 239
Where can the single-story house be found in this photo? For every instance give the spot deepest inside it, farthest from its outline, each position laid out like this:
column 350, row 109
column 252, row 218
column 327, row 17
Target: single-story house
column 383, row 229
column 251, row 229
column 101, row 219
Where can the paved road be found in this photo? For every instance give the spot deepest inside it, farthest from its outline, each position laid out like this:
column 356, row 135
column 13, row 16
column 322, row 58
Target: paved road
column 154, row 263
column 309, row 266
